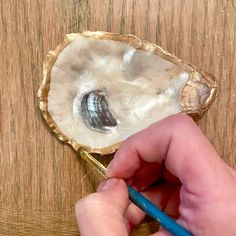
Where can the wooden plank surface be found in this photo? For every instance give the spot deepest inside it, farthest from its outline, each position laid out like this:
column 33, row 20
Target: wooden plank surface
column 40, row 178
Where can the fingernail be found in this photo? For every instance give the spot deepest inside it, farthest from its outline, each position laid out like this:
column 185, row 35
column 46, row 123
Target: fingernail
column 109, row 184
column 101, row 185
column 108, row 169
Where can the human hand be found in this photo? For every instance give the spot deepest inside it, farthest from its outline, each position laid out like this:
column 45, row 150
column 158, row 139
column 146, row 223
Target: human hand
column 197, row 187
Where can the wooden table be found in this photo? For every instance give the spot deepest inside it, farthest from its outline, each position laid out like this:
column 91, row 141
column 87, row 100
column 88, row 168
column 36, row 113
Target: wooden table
column 41, row 178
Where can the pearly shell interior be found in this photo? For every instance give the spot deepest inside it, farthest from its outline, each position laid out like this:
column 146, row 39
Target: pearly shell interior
column 141, row 88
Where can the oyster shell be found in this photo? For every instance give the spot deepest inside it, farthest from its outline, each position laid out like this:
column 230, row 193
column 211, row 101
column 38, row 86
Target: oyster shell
column 99, row 88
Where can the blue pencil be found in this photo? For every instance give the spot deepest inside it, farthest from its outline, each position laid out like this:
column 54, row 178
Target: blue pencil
column 140, row 201
column 153, row 211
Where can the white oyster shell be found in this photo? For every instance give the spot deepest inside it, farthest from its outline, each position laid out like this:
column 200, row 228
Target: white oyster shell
column 142, row 87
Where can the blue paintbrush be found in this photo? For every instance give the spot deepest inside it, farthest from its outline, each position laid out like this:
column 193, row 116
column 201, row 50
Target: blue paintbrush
column 139, row 200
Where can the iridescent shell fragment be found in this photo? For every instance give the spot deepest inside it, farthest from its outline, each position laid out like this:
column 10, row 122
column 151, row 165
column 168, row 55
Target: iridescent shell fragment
column 99, row 88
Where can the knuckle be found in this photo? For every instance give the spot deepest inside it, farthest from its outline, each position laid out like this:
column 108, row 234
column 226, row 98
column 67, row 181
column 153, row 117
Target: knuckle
column 180, row 120
column 174, row 123
column 180, row 117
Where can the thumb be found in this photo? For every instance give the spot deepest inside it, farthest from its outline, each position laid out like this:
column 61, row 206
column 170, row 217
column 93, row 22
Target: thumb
column 102, row 213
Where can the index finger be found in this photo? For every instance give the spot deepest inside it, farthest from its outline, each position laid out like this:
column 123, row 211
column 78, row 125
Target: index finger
column 178, row 142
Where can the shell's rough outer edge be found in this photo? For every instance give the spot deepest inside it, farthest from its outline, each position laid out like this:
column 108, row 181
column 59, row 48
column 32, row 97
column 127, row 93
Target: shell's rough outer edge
column 135, row 42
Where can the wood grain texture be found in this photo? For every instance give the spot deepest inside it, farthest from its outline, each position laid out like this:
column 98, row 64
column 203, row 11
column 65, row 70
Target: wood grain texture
column 40, row 178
